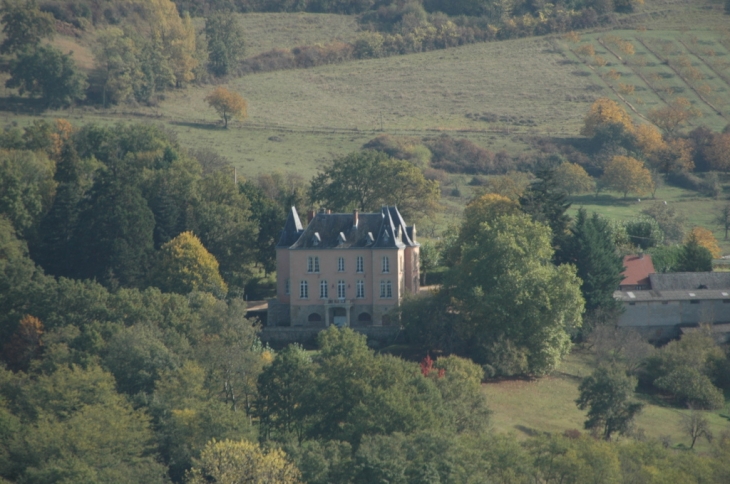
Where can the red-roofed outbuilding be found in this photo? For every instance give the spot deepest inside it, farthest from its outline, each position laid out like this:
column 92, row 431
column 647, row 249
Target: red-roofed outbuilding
column 636, row 274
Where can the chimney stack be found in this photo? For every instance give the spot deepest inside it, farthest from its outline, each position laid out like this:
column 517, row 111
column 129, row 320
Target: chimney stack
column 310, row 215
column 329, row 212
column 355, row 218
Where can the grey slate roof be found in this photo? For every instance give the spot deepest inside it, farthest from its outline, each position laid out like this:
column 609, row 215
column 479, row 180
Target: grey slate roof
column 292, row 229
column 385, row 229
column 682, row 295
column 679, row 281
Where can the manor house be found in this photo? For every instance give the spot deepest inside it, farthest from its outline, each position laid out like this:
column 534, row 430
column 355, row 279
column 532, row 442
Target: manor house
column 346, row 269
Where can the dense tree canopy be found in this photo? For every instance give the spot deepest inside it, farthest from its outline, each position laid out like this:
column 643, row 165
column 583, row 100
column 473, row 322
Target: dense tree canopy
column 507, row 287
column 24, row 25
column 367, row 180
column 49, row 74
column 225, row 42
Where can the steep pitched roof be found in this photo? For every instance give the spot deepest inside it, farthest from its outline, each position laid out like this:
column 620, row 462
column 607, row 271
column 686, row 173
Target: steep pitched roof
column 385, row 229
column 292, row 229
column 637, row 270
column 678, row 281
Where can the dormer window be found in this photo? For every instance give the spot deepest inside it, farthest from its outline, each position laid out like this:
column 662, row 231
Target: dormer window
column 371, row 239
column 386, row 236
column 316, row 239
column 341, row 239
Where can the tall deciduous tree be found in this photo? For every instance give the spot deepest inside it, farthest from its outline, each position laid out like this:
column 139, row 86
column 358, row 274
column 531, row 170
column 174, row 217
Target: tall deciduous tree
column 233, row 462
column 572, row 178
column 24, row 25
column 48, row 73
column 626, row 174
column 27, row 188
column 606, row 394
column 184, row 265
column 367, row 180
column 673, row 116
column 225, row 42
column 604, row 112
column 117, row 61
column 227, row 104
column 507, row 287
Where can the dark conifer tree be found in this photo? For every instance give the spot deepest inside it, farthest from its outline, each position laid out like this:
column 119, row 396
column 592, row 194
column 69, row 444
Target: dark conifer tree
column 53, row 250
column 694, row 257
column 591, row 249
column 545, row 202
column 114, row 240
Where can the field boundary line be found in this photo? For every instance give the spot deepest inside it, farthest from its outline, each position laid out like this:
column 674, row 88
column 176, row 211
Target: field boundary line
column 610, row 86
column 638, row 73
column 669, row 64
column 722, row 76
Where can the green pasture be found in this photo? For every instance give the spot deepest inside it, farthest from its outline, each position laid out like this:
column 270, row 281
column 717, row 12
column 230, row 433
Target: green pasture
column 697, row 210
column 529, row 407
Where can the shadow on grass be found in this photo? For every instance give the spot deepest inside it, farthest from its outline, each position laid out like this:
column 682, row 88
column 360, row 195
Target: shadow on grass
column 530, row 431
column 206, row 126
column 22, row 105
column 602, row 200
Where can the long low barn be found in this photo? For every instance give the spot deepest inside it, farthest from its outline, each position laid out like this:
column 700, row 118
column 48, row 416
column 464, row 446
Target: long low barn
column 676, row 300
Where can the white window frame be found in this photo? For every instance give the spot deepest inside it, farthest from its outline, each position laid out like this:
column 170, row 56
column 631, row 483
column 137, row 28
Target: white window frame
column 323, row 289
column 303, row 290
column 386, row 264
column 341, row 289
column 360, row 289
column 360, row 266
column 386, row 289
column 341, row 264
column 313, row 264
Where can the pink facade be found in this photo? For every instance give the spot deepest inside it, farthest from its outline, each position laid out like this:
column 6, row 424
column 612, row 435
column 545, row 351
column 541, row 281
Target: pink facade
column 344, row 269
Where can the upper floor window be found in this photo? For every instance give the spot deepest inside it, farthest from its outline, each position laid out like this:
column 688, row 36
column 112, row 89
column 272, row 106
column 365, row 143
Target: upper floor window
column 386, row 263
column 341, row 289
column 360, row 288
column 360, row 264
column 386, row 289
column 303, row 290
column 341, row 264
column 312, row 264
column 286, row 287
column 323, row 289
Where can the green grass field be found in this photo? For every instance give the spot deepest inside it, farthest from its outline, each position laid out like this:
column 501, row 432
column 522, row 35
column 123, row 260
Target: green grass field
column 527, row 408
column 299, row 119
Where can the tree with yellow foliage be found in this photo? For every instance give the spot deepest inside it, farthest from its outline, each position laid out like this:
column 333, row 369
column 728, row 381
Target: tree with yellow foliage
column 706, row 239
column 572, row 178
column 185, row 265
column 603, row 112
column 234, row 462
column 24, row 345
column 674, row 115
column 718, row 153
column 228, row 104
column 648, row 139
column 626, row 174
